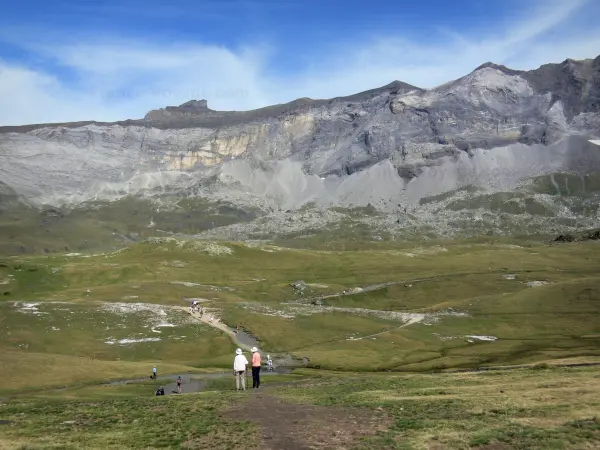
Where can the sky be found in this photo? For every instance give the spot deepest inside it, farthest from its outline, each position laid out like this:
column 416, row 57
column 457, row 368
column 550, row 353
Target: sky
column 107, row 60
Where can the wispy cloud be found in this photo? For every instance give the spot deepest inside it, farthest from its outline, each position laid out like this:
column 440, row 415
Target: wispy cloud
column 112, row 78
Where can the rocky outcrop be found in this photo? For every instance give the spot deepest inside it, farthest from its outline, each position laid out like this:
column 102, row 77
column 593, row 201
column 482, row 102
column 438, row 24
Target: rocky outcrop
column 8, row 197
column 593, row 235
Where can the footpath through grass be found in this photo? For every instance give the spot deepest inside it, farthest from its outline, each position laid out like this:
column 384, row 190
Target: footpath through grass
column 541, row 408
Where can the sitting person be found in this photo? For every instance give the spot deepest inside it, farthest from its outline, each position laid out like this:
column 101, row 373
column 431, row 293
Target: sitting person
column 160, row 391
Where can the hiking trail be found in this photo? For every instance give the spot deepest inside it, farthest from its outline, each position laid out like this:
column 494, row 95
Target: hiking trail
column 295, row 426
column 242, row 339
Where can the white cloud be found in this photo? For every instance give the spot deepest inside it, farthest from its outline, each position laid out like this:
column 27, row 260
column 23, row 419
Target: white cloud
column 112, row 80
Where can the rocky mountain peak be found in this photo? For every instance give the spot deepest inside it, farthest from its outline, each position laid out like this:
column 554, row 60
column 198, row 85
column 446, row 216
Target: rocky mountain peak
column 191, row 108
column 499, row 67
column 574, row 82
column 195, row 104
column 397, row 85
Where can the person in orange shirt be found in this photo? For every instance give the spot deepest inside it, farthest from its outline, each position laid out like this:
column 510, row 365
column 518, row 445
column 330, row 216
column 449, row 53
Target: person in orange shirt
column 255, row 368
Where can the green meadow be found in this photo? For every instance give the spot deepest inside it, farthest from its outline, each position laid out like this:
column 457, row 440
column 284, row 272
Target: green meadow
column 384, row 332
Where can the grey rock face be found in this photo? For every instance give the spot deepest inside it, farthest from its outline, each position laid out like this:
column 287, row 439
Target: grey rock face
column 390, row 145
column 8, row 197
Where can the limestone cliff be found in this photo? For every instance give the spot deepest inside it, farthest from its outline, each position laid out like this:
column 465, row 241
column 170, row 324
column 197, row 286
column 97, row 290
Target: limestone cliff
column 314, row 149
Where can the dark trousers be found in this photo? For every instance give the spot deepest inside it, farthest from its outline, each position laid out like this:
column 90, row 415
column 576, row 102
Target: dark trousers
column 255, row 377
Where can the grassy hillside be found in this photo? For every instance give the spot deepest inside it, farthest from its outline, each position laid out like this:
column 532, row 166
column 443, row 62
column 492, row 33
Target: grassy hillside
column 101, row 226
column 458, row 305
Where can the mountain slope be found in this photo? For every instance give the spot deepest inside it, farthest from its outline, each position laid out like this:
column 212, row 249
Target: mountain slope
column 494, row 129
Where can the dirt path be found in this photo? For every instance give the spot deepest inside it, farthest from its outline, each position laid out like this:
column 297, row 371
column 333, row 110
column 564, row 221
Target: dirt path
column 375, row 287
column 241, row 339
column 293, row 426
column 410, row 322
column 244, row 340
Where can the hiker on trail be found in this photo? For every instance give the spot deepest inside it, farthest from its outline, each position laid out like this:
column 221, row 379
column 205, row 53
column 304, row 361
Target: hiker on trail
column 255, row 368
column 239, row 369
column 154, row 372
column 160, row 391
column 270, row 363
column 179, row 381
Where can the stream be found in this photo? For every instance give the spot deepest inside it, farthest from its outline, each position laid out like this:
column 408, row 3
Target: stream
column 245, row 340
column 192, row 382
column 198, row 382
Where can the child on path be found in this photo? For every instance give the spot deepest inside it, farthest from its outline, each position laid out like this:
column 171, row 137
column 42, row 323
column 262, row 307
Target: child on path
column 179, row 381
column 239, row 369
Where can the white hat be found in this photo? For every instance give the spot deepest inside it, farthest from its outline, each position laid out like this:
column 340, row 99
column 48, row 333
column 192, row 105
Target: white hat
column 239, row 351
column 253, row 349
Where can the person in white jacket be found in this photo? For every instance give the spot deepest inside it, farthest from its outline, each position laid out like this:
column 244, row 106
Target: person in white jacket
column 239, row 369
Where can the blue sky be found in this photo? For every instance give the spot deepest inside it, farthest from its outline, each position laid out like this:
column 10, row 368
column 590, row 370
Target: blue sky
column 108, row 60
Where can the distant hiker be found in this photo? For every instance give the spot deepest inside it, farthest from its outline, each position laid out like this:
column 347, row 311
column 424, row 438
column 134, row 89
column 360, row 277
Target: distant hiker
column 270, row 363
column 179, row 381
column 160, row 391
column 154, row 372
column 255, row 368
column 239, row 369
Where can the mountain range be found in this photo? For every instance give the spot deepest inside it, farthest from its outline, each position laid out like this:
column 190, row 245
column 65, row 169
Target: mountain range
column 496, row 151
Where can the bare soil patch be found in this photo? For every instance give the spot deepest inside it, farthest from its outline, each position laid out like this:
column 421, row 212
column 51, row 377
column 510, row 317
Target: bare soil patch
column 303, row 427
column 495, row 446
